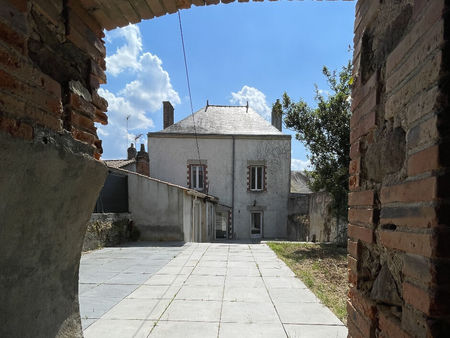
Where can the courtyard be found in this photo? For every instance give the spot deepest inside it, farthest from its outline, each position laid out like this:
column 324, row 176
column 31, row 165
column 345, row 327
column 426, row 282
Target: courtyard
column 197, row 290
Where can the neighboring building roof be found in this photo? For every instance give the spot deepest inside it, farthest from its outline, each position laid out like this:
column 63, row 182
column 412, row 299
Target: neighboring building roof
column 299, row 183
column 231, row 120
column 118, row 164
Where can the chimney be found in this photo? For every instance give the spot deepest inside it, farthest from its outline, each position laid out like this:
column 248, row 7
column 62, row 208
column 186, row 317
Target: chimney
column 277, row 113
column 131, row 152
column 142, row 162
column 167, row 114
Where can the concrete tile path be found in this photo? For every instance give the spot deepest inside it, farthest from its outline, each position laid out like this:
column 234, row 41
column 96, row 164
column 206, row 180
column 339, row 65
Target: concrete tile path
column 207, row 290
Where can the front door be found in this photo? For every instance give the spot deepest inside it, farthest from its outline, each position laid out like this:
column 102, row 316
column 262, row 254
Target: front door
column 256, row 225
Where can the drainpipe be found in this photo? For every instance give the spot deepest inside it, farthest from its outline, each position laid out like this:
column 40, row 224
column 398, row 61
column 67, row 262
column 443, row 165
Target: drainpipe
column 232, row 190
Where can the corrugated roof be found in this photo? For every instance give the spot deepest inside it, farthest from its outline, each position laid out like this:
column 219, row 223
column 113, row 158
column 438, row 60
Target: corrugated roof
column 231, row 120
column 118, row 163
column 299, row 183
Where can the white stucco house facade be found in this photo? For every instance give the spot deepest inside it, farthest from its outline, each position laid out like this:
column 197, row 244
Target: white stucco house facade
column 233, row 153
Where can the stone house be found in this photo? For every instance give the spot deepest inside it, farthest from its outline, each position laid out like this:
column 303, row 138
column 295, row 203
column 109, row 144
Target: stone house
column 233, row 153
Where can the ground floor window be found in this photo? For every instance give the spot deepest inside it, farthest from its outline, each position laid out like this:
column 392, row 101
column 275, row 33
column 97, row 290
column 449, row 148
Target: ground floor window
column 256, row 224
column 221, row 225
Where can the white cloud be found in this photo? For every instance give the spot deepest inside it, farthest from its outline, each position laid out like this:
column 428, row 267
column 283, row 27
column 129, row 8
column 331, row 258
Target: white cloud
column 150, row 85
column 126, row 56
column 256, row 99
column 300, row 165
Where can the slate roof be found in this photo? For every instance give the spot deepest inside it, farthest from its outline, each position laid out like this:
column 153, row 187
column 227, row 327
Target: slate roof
column 299, row 183
column 118, row 163
column 230, row 120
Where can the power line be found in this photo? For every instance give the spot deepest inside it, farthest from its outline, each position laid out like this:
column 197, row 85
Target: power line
column 189, row 90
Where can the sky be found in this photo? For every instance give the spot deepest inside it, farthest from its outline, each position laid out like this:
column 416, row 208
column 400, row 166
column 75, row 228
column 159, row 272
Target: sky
column 235, row 53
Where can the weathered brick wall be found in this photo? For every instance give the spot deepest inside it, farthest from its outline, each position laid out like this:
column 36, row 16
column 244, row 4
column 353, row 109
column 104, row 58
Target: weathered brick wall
column 51, row 65
column 398, row 232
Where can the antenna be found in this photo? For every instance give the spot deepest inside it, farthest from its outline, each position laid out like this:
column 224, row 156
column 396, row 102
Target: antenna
column 128, row 117
column 137, row 138
column 247, row 106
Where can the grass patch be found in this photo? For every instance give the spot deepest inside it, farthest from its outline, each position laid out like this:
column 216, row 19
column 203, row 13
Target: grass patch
column 323, row 269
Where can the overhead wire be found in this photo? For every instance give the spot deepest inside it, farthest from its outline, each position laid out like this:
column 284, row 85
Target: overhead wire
column 190, row 95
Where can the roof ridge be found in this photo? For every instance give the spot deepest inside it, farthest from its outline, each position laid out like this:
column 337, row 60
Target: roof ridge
column 220, row 105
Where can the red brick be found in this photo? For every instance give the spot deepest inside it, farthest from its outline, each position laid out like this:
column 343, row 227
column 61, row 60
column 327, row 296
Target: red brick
column 425, row 133
column 365, row 124
column 83, row 136
column 43, row 118
column 420, row 244
column 355, row 166
column 367, row 105
column 88, row 20
column 390, row 327
column 352, row 248
column 355, row 149
column 361, row 92
column 100, row 117
column 431, row 40
column 16, row 128
column 360, row 216
column 83, row 122
column 416, row 297
column 99, row 101
column 362, row 303
column 21, row 5
column 12, row 38
column 423, row 104
column 412, row 191
column 352, row 277
column 364, row 325
column 360, row 233
column 423, row 161
column 353, row 264
column 353, row 182
column 427, row 77
column 430, row 16
column 361, row 198
column 81, row 105
column 410, row 216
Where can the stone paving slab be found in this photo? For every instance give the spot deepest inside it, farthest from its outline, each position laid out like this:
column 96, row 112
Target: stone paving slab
column 200, row 290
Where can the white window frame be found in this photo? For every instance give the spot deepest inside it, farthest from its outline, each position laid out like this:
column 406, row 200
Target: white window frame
column 195, row 173
column 254, row 172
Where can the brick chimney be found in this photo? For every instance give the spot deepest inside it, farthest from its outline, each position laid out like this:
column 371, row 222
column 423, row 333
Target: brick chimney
column 142, row 162
column 131, row 152
column 167, row 114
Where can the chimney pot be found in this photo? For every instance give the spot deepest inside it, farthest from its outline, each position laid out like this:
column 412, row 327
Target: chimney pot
column 131, row 152
column 167, row 114
column 142, row 162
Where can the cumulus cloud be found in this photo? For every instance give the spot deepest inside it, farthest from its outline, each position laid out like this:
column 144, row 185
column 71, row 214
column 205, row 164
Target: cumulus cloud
column 255, row 98
column 300, row 165
column 127, row 55
column 150, row 85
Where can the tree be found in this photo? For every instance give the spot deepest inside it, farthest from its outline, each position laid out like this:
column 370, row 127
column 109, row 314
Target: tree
column 325, row 132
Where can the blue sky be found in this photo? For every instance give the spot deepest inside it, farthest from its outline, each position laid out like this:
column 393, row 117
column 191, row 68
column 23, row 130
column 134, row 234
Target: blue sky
column 236, row 52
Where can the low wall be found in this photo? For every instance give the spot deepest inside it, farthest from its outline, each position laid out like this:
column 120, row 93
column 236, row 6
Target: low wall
column 157, row 208
column 108, row 230
column 310, row 218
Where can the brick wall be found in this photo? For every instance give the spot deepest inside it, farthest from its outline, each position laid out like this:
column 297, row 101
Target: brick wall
column 398, row 256
column 51, row 65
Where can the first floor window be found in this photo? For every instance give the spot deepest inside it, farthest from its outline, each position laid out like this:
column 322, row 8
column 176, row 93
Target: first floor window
column 257, row 178
column 197, row 177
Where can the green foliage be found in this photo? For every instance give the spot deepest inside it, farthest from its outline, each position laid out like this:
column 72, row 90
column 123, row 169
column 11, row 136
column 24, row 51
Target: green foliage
column 325, row 132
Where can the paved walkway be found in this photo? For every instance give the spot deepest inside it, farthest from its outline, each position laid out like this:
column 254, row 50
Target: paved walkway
column 207, row 290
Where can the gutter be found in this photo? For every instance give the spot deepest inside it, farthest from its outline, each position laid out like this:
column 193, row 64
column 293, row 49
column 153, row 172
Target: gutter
column 230, row 236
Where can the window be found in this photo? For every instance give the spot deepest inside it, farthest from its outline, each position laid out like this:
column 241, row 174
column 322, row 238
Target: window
column 257, row 178
column 197, row 177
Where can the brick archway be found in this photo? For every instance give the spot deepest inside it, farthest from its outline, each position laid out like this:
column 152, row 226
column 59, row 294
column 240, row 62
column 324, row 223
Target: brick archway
column 51, row 65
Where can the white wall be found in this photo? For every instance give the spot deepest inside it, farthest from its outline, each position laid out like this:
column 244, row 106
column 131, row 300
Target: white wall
column 168, row 162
